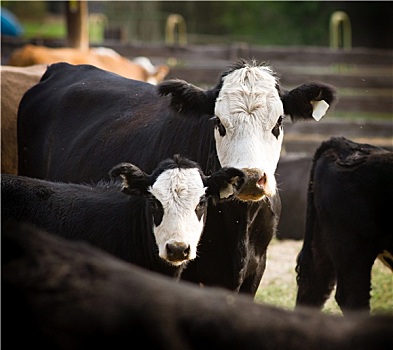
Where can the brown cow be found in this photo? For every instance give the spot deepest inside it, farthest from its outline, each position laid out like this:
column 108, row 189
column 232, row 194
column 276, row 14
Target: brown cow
column 100, row 57
column 14, row 82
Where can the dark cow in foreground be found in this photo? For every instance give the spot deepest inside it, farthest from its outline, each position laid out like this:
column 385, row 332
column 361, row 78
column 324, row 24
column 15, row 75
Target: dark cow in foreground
column 58, row 294
column 157, row 225
column 348, row 223
column 81, row 115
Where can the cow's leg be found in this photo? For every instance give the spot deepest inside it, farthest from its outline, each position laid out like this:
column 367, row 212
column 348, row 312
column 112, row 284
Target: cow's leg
column 316, row 285
column 316, row 275
column 354, row 282
column 251, row 282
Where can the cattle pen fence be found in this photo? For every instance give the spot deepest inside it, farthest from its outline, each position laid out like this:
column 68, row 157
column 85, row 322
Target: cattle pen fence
column 363, row 78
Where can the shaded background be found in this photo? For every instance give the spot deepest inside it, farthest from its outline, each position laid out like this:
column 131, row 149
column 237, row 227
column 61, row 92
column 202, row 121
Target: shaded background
column 256, row 22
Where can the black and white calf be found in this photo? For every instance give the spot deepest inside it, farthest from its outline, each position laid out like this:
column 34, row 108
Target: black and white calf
column 348, row 223
column 157, row 225
column 84, row 115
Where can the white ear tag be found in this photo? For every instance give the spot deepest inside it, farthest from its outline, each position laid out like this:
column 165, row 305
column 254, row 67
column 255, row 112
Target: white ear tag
column 227, row 192
column 319, row 109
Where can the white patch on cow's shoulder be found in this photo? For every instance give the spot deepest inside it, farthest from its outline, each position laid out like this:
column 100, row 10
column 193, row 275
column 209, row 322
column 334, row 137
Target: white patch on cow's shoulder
column 105, row 51
column 145, row 63
column 249, row 107
column 179, row 191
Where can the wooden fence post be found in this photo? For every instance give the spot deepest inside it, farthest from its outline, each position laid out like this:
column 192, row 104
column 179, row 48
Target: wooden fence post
column 77, row 18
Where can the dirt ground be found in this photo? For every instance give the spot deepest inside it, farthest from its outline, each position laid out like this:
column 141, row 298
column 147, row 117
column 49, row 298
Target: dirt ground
column 278, row 286
column 281, row 261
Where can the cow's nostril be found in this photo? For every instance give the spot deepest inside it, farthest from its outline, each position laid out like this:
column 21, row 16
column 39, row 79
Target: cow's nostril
column 262, row 181
column 177, row 251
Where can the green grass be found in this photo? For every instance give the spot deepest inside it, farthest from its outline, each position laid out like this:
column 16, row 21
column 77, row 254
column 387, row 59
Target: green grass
column 34, row 29
column 282, row 291
column 382, row 290
column 57, row 30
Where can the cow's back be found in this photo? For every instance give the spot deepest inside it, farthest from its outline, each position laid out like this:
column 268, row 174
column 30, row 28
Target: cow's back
column 44, row 135
column 351, row 186
column 66, row 208
column 101, row 215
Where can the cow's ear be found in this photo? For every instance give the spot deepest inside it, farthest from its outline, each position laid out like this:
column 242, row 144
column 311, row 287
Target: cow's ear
column 134, row 180
column 308, row 101
column 224, row 183
column 188, row 98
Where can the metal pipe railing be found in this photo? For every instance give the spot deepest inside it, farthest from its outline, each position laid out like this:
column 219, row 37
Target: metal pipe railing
column 175, row 23
column 340, row 31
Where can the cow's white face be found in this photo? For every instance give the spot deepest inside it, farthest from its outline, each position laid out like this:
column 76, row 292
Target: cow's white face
column 249, row 134
column 179, row 213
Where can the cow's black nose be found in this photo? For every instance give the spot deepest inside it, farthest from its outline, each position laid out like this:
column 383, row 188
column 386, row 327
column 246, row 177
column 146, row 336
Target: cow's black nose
column 177, row 251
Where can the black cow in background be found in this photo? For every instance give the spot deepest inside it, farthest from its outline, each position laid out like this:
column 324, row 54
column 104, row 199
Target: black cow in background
column 293, row 171
column 59, row 294
column 156, row 224
column 348, row 224
column 79, row 121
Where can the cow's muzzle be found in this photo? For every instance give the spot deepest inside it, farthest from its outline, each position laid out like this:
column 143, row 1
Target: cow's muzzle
column 177, row 251
column 254, row 189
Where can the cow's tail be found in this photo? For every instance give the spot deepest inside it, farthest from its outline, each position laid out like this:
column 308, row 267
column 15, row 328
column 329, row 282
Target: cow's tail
column 304, row 261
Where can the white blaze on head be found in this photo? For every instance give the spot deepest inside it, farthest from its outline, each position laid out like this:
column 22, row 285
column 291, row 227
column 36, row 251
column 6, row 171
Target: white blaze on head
column 179, row 192
column 249, row 107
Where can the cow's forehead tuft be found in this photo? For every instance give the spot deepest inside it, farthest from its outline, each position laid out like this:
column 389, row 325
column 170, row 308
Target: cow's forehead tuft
column 252, row 77
column 177, row 184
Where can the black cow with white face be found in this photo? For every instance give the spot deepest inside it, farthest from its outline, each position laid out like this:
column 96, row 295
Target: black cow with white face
column 80, row 121
column 348, row 223
column 157, row 224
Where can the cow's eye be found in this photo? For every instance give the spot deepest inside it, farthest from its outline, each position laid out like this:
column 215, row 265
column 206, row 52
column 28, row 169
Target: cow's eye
column 201, row 207
column 277, row 128
column 157, row 210
column 219, row 126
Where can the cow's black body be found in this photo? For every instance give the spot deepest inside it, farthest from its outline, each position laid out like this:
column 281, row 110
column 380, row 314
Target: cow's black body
column 102, row 215
column 69, row 296
column 348, row 223
column 120, row 119
column 79, row 121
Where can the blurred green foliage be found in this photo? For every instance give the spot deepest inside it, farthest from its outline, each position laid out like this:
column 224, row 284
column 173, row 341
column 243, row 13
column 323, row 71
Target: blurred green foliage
column 279, row 22
column 36, row 10
column 256, row 22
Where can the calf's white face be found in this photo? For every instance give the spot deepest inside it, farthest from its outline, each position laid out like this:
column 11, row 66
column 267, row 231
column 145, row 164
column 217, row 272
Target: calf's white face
column 176, row 194
column 180, row 216
column 248, row 129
